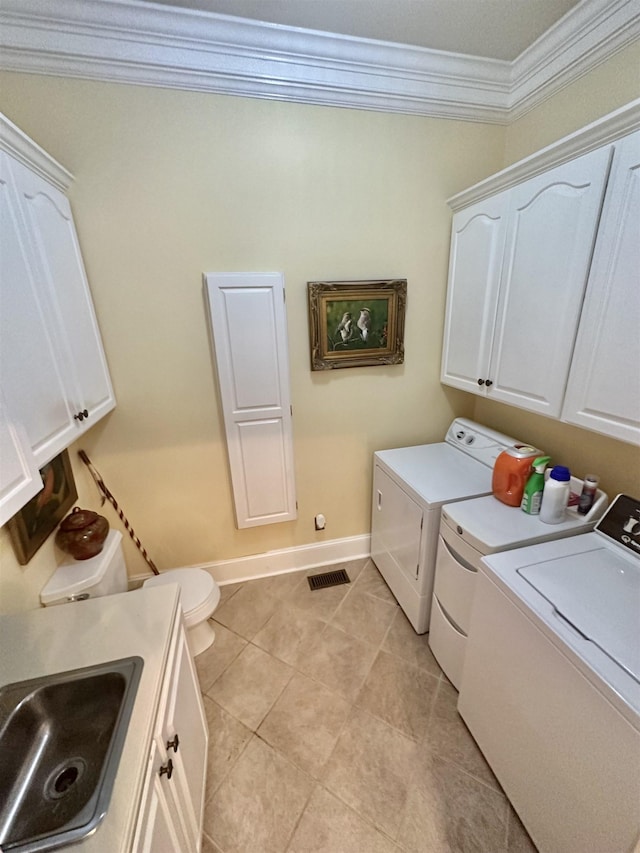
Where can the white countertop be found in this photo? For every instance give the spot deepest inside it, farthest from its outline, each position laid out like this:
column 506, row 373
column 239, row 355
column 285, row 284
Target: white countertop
column 70, row 636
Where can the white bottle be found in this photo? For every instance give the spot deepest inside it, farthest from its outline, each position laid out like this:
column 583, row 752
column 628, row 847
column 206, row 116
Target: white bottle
column 555, row 497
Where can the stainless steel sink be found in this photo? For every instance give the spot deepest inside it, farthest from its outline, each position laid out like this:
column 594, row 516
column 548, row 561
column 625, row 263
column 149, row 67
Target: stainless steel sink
column 61, row 738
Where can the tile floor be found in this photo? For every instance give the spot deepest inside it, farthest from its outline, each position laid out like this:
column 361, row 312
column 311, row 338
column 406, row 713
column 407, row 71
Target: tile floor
column 333, row 730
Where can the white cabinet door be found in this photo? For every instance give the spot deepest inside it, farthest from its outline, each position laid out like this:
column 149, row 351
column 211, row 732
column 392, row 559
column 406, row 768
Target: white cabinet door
column 552, row 226
column 183, row 735
column 19, row 476
column 603, row 392
column 248, row 321
column 65, row 297
column 156, row 832
column 477, row 246
column 34, row 389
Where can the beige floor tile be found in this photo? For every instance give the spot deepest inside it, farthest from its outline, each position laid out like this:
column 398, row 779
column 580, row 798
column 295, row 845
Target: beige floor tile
column 353, row 568
column 289, row 634
column 257, row 807
column 247, row 611
column 402, row 640
column 321, row 603
column 227, row 738
column 447, row 811
column 227, row 590
column 339, row 661
column 370, row 770
column 370, row 580
column 305, row 722
column 278, row 585
column 364, row 616
column 248, row 688
column 518, row 840
column 208, row 846
column 448, row 737
column 213, row 661
column 400, row 694
column 328, row 826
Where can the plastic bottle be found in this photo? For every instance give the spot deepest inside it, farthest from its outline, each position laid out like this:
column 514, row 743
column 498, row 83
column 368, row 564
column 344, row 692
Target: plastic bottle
column 588, row 494
column 555, row 497
column 532, row 495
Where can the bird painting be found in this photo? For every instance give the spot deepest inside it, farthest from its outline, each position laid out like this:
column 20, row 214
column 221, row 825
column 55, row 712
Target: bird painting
column 345, row 327
column 364, row 323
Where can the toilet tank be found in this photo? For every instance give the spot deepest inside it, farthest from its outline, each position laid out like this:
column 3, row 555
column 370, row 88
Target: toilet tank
column 104, row 574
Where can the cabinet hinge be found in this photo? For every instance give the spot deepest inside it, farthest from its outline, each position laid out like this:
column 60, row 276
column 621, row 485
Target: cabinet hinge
column 284, row 295
column 291, row 410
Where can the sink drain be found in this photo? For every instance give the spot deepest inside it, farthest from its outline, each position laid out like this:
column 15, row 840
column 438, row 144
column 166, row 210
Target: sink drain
column 64, row 777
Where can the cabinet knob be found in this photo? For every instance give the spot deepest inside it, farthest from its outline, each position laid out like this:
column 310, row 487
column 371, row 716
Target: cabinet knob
column 480, row 381
column 81, row 415
column 489, row 383
column 167, row 769
column 174, row 744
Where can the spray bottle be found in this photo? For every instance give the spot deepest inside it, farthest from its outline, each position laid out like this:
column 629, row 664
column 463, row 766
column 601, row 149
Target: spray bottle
column 532, row 495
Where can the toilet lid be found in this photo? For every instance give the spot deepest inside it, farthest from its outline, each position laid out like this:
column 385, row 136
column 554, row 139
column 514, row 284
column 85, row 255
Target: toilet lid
column 197, row 588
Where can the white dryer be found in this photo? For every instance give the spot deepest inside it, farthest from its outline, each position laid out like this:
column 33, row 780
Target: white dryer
column 410, row 484
column 469, row 531
column 551, row 683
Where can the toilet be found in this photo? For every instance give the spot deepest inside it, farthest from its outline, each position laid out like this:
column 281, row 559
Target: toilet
column 106, row 574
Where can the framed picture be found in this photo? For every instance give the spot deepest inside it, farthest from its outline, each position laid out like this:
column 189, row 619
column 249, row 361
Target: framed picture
column 37, row 519
column 356, row 323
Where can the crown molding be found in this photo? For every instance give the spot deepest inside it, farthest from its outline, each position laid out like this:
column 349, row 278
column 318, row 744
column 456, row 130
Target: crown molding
column 604, row 131
column 128, row 41
column 20, row 147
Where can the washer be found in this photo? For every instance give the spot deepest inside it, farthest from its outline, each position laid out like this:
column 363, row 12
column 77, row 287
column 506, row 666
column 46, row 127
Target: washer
column 470, row 530
column 410, row 485
column 551, row 683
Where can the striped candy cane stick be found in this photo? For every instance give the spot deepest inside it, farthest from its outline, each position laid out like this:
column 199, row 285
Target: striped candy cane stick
column 108, row 496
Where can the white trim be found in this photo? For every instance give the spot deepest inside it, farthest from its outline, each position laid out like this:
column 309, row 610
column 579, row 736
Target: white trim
column 128, row 41
column 18, row 145
column 601, row 132
column 282, row 561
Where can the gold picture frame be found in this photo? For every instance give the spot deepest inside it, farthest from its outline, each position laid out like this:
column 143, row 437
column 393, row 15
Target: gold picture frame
column 356, row 323
column 35, row 522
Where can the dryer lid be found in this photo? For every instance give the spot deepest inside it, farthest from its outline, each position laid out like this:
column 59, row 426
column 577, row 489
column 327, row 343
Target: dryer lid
column 598, row 593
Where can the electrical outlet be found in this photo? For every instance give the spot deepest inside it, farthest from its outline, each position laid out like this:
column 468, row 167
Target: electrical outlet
column 320, row 521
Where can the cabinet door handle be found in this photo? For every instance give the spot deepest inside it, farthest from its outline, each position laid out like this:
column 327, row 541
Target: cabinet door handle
column 167, row 769
column 81, row 415
column 379, row 499
column 174, row 744
column 480, row 381
column 489, row 383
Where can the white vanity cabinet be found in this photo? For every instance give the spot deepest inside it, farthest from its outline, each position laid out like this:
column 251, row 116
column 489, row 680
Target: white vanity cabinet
column 54, row 374
column 603, row 392
column 518, row 270
column 173, row 799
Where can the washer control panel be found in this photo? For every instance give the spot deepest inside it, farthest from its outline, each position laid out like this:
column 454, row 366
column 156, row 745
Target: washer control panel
column 621, row 523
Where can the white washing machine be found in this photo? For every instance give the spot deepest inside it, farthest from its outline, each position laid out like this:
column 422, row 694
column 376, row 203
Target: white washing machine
column 469, row 531
column 551, row 683
column 410, row 484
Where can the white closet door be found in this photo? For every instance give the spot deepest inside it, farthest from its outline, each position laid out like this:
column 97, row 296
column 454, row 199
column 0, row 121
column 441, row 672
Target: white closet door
column 249, row 328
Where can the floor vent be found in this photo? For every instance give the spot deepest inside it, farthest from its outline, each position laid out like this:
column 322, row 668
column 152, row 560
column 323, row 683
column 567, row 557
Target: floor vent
column 328, row 579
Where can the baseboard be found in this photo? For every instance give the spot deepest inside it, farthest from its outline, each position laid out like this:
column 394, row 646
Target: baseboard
column 281, row 561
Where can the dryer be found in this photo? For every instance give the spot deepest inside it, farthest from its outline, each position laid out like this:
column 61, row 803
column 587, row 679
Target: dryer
column 410, row 485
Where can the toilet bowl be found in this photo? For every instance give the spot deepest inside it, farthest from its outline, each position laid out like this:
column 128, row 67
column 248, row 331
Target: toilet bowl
column 106, row 574
column 199, row 596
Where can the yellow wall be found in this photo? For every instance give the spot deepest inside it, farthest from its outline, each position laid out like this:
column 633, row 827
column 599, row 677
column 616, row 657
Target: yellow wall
column 171, row 184
column 605, row 89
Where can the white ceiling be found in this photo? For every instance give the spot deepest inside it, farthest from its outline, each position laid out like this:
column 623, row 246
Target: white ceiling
column 497, row 29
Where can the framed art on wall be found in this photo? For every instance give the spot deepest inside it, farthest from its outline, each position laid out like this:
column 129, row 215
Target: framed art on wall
column 356, row 323
column 38, row 518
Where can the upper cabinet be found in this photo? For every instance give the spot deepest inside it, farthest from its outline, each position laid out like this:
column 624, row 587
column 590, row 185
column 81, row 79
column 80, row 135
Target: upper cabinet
column 543, row 302
column 603, row 393
column 53, row 373
column 516, row 282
